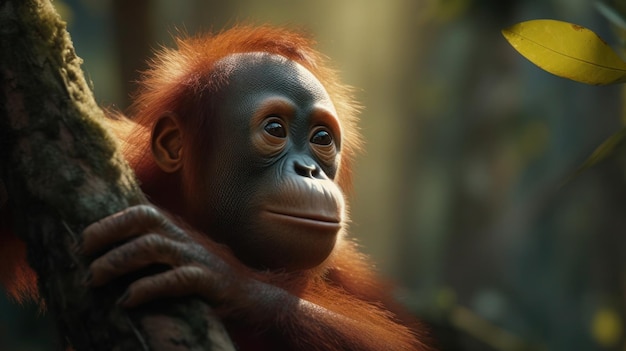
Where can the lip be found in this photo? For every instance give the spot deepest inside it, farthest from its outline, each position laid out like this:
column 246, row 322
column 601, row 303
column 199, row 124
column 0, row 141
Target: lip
column 312, row 219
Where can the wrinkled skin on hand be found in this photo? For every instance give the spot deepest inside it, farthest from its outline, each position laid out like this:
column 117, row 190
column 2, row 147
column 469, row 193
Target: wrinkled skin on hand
column 147, row 237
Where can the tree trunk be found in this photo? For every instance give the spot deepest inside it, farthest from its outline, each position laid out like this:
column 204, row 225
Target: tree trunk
column 62, row 171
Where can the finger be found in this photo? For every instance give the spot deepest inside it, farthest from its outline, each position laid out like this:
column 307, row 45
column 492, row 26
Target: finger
column 125, row 225
column 181, row 281
column 139, row 253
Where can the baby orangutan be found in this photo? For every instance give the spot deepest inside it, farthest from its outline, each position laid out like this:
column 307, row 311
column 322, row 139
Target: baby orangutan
column 248, row 138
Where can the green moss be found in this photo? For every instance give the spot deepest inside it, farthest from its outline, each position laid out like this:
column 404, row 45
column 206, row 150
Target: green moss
column 67, row 144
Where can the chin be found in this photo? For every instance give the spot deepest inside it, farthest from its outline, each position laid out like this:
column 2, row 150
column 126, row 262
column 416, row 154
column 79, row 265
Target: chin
column 291, row 242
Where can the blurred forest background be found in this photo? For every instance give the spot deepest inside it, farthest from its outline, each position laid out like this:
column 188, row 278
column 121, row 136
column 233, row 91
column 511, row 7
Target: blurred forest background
column 462, row 195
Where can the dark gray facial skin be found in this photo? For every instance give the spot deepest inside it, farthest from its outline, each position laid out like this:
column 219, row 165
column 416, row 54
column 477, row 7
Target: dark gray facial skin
column 268, row 185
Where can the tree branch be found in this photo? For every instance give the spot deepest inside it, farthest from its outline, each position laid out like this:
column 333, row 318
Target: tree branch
column 62, row 171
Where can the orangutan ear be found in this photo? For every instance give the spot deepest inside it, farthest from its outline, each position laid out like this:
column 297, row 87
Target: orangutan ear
column 167, row 144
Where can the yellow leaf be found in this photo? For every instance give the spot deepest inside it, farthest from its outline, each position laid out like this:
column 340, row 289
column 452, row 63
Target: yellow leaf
column 567, row 50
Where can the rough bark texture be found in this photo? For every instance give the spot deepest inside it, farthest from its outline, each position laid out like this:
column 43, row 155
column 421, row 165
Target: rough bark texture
column 62, row 171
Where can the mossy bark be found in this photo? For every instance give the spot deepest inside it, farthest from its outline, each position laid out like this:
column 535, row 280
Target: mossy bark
column 62, row 171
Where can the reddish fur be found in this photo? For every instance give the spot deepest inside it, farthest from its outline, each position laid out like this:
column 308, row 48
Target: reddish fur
column 19, row 280
column 177, row 82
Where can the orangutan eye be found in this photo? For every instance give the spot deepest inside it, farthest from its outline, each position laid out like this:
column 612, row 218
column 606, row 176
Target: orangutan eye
column 322, row 137
column 276, row 129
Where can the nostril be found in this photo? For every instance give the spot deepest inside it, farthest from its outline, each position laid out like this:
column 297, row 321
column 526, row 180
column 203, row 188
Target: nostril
column 305, row 170
column 316, row 172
